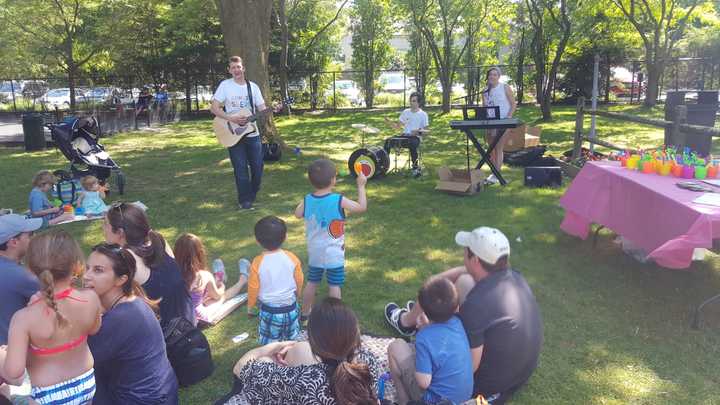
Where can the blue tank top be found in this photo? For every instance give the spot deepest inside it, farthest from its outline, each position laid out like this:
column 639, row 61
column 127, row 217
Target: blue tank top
column 325, row 230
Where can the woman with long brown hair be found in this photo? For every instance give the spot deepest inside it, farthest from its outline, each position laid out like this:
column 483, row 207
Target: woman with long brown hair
column 331, row 368
column 157, row 272
column 131, row 363
column 49, row 336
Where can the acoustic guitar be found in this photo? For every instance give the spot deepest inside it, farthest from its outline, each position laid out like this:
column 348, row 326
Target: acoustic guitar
column 229, row 133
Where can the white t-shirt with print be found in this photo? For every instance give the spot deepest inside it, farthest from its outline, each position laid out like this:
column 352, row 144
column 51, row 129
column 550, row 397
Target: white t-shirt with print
column 234, row 96
column 414, row 120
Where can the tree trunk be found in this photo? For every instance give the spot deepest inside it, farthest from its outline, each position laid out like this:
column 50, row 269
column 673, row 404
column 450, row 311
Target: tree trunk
column 246, row 31
column 520, row 76
column 369, row 88
column 284, row 45
column 446, row 89
column 654, row 70
column 72, row 72
column 188, row 91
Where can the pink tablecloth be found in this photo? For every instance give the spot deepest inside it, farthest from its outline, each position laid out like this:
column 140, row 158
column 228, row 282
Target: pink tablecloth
column 647, row 209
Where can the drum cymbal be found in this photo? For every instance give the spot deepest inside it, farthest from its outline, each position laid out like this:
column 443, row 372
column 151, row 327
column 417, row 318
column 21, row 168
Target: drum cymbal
column 358, row 126
column 371, row 130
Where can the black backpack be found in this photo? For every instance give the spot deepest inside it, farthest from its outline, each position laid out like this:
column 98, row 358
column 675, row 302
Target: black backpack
column 188, row 351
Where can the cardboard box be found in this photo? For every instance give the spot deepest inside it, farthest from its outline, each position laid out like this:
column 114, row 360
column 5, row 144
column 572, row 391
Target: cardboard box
column 459, row 181
column 521, row 137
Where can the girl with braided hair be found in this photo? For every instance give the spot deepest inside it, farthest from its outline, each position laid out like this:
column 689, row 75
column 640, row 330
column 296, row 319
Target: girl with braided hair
column 49, row 336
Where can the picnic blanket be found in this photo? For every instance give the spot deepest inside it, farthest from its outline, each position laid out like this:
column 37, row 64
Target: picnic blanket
column 221, row 310
column 79, row 218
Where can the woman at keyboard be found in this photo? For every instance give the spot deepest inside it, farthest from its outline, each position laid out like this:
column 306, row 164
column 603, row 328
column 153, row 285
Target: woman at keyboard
column 500, row 95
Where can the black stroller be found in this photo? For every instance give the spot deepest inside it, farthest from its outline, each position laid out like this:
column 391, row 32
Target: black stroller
column 77, row 139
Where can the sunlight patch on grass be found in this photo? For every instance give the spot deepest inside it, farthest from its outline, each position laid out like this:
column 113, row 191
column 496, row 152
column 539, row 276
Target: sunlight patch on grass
column 634, row 383
column 440, row 255
column 210, row 204
column 546, row 237
column 401, row 275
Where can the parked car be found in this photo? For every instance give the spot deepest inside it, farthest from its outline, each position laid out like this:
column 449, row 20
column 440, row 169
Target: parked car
column 297, row 84
column 34, row 89
column 349, row 90
column 394, row 82
column 60, row 98
column 7, row 89
column 100, row 95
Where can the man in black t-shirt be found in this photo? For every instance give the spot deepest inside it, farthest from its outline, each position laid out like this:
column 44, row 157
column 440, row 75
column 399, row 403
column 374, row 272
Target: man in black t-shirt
column 498, row 311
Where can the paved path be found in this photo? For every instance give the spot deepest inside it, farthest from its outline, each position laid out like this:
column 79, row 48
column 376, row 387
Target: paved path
column 11, row 134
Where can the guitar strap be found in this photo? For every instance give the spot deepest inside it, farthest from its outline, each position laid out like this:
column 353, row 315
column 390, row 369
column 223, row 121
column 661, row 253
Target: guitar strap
column 252, row 104
column 249, row 91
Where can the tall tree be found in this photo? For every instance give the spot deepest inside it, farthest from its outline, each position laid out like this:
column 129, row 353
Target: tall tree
column 371, row 22
column 552, row 27
column 660, row 24
column 419, row 60
column 305, row 31
column 246, row 31
column 441, row 23
column 69, row 32
column 492, row 31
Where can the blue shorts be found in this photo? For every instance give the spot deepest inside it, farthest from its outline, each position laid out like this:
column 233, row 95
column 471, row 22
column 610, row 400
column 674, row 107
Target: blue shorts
column 335, row 277
column 278, row 323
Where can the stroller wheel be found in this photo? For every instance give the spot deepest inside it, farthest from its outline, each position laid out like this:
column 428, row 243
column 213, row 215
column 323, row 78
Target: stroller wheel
column 120, row 182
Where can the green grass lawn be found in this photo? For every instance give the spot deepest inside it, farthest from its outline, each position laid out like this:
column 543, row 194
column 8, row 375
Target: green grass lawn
column 616, row 331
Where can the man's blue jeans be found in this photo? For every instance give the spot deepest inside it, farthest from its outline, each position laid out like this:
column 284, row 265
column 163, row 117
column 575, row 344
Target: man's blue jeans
column 247, row 153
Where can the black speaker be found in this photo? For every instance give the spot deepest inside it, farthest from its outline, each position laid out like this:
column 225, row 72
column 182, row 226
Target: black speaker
column 543, row 176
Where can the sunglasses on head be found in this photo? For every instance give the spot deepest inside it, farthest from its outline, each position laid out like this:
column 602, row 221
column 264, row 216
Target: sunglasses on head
column 113, row 247
column 119, row 205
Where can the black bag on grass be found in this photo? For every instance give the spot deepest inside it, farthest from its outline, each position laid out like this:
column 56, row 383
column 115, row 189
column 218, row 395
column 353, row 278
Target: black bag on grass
column 271, row 152
column 188, row 351
column 524, row 157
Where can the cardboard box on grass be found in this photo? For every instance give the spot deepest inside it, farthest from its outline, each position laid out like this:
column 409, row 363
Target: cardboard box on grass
column 459, row 181
column 521, row 137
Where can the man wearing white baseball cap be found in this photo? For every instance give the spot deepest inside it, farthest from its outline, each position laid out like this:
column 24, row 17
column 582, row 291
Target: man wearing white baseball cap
column 498, row 311
column 18, row 284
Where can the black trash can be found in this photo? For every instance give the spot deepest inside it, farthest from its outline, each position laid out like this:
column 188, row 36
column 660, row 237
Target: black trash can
column 33, row 131
column 701, row 113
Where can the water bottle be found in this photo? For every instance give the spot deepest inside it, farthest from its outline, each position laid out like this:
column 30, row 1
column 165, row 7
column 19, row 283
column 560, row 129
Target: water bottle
column 381, row 385
column 218, row 268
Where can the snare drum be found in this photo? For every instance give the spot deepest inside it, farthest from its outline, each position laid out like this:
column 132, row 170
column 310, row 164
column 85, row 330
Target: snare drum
column 373, row 161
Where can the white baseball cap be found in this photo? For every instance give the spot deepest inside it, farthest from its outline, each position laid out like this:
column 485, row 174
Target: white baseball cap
column 11, row 225
column 489, row 244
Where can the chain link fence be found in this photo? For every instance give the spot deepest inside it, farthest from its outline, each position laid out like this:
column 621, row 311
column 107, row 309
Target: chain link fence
column 115, row 99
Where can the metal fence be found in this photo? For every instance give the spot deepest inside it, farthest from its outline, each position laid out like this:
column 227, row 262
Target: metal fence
column 619, row 82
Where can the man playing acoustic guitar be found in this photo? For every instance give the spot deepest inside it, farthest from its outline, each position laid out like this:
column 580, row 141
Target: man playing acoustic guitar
column 247, row 151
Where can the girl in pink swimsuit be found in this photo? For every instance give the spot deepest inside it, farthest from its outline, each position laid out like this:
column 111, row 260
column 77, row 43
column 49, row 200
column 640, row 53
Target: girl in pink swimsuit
column 49, row 336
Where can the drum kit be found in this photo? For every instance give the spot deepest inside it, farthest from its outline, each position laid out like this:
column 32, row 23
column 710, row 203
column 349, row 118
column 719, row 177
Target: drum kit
column 372, row 161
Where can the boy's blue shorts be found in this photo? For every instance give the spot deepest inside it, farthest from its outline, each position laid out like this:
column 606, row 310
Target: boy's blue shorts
column 278, row 323
column 335, row 277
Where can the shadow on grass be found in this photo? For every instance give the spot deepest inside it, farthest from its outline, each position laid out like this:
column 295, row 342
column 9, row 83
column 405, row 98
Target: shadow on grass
column 615, row 330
